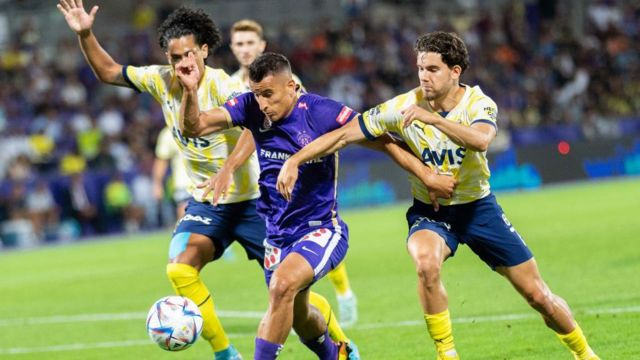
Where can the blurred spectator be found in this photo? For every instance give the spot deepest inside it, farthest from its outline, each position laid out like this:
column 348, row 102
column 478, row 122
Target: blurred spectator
column 540, row 66
column 119, row 204
column 42, row 211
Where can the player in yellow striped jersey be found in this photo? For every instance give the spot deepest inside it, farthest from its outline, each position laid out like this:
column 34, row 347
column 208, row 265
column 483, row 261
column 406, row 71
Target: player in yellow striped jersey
column 247, row 43
column 206, row 230
column 450, row 126
column 169, row 155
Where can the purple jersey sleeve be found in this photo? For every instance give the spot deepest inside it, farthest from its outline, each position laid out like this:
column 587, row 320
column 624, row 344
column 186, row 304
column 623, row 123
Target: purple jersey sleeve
column 329, row 114
column 244, row 110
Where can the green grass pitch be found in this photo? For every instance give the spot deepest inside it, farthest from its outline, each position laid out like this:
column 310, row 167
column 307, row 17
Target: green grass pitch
column 89, row 300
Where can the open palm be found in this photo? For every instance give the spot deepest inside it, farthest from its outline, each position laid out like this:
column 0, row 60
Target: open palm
column 77, row 18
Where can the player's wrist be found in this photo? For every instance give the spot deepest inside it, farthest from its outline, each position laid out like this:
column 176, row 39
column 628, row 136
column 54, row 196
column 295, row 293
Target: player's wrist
column 84, row 33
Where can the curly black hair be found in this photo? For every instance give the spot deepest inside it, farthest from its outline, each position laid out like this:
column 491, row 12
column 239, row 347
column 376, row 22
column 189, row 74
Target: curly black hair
column 185, row 21
column 449, row 45
column 266, row 64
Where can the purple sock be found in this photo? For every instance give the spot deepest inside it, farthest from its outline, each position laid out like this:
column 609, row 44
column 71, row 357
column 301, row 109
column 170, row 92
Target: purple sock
column 322, row 346
column 266, row 350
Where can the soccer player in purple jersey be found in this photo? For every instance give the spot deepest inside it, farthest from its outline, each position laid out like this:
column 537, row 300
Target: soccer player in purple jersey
column 305, row 236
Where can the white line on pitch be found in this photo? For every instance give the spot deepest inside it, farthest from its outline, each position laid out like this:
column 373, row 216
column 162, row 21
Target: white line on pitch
column 59, row 319
column 244, row 314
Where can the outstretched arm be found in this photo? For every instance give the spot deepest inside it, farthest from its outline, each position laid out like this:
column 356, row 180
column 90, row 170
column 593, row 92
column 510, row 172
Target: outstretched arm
column 102, row 64
column 219, row 183
column 439, row 186
column 193, row 122
column 476, row 137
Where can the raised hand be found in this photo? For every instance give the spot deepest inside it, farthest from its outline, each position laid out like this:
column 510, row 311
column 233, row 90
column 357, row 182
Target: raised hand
column 287, row 178
column 218, row 183
column 188, row 72
column 76, row 17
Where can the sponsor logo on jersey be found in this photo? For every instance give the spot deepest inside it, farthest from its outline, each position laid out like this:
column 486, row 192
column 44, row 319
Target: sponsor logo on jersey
column 438, row 158
column 344, row 114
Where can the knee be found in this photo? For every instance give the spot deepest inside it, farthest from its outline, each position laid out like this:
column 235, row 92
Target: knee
column 282, row 289
column 428, row 270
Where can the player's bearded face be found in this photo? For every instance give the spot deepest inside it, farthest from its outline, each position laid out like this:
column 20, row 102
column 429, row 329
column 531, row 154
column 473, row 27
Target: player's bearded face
column 436, row 78
column 276, row 95
column 246, row 46
column 179, row 48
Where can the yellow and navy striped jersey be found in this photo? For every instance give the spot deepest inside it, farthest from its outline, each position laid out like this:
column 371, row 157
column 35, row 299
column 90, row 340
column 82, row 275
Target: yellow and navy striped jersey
column 470, row 168
column 203, row 156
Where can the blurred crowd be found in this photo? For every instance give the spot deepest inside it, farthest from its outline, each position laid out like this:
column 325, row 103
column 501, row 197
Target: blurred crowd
column 76, row 156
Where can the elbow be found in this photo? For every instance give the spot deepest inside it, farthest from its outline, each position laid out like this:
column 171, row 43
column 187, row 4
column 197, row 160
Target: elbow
column 482, row 147
column 110, row 75
column 191, row 132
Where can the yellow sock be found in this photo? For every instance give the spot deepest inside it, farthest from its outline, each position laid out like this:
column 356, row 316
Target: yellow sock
column 186, row 282
column 439, row 327
column 340, row 280
column 335, row 331
column 577, row 343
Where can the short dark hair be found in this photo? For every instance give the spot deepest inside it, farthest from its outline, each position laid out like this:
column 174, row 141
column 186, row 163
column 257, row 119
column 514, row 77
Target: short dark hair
column 448, row 44
column 266, row 64
column 185, row 21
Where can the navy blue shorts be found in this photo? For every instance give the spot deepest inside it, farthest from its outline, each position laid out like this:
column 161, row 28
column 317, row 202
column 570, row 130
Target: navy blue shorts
column 481, row 224
column 223, row 224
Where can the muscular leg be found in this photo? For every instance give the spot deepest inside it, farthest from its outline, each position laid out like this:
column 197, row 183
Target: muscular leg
column 555, row 312
column 527, row 281
column 289, row 307
column 429, row 251
column 188, row 257
column 293, row 274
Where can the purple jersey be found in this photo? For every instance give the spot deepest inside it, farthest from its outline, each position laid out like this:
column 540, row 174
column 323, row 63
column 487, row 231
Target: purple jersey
column 313, row 203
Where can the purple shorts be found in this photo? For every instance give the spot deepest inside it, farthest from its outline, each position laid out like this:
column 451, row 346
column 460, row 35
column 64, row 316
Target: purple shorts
column 323, row 248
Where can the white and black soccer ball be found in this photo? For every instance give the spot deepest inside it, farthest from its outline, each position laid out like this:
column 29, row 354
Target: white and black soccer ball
column 174, row 323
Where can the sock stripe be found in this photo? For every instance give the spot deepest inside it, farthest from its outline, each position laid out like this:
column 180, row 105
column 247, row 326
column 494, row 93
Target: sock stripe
column 205, row 300
column 330, row 317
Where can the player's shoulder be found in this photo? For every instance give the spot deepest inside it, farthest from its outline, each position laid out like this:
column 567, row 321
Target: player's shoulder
column 215, row 74
column 397, row 103
column 161, row 71
column 477, row 97
column 242, row 100
column 319, row 105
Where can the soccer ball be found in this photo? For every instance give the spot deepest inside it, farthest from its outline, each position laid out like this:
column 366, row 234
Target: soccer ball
column 174, row 323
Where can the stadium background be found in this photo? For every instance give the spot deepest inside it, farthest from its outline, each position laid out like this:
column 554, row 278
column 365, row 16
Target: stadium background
column 565, row 76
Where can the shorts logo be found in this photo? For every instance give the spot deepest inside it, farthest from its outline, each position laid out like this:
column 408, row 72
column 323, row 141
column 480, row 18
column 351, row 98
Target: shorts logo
column 198, row 218
column 271, row 257
column 309, row 250
column 421, row 219
column 320, row 236
column 511, row 228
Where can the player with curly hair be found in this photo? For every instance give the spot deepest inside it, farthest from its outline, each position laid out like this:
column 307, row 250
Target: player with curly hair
column 208, row 227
